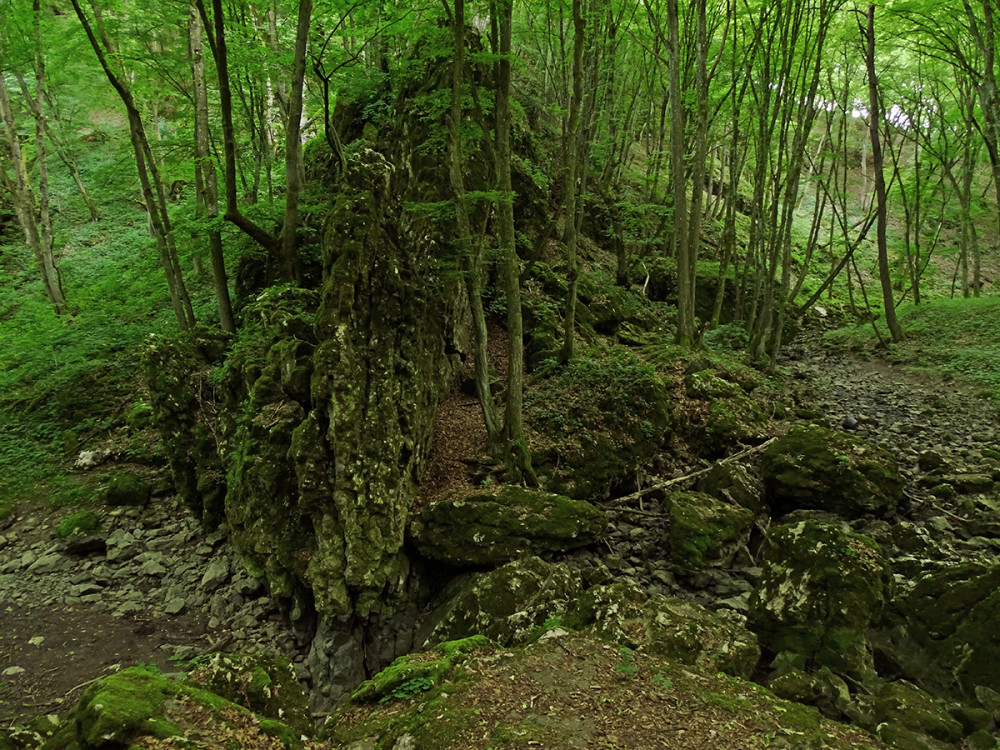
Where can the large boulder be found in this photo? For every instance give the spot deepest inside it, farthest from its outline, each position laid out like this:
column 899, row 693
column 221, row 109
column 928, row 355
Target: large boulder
column 486, row 527
column 596, row 420
column 724, row 413
column 941, row 633
column 705, row 531
column 737, row 484
column 680, row 630
column 821, row 588
column 813, row 467
column 506, row 605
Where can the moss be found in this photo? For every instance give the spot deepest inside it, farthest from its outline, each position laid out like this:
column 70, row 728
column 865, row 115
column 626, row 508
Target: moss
column 813, row 467
column 127, row 489
column 494, row 527
column 81, row 523
column 704, row 530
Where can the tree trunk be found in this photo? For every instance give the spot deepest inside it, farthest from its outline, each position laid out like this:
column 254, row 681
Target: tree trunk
column 471, row 255
column 874, row 124
column 205, row 177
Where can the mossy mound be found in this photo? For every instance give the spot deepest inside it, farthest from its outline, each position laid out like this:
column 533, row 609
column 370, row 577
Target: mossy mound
column 902, row 710
column 679, row 630
column 127, row 489
column 78, row 523
column 813, row 467
column 821, row 588
column 705, row 531
column 941, row 633
column 576, row 691
column 505, row 605
column 491, row 528
column 138, row 708
column 414, row 673
column 263, row 683
column 596, row 420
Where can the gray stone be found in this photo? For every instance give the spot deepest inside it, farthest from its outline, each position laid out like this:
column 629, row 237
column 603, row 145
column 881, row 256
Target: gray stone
column 50, row 563
column 153, row 568
column 216, row 575
column 175, row 606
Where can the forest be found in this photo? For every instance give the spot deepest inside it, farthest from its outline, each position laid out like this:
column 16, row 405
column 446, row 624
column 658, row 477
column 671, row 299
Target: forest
column 499, row 374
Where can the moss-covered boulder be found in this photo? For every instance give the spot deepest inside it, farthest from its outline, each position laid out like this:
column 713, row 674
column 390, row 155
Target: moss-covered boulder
column 127, row 489
column 941, row 632
column 263, row 683
column 677, row 629
column 579, row 691
column 813, row 467
column 505, row 605
column 822, row 586
column 901, row 709
column 80, row 523
column 596, row 420
column 726, row 414
column 737, row 484
column 137, row 707
column 705, row 531
column 486, row 527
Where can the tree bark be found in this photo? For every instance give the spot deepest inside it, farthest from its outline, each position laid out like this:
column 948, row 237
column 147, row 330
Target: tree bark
column 874, row 124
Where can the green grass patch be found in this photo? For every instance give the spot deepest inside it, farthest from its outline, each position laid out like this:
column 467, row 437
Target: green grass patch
column 955, row 337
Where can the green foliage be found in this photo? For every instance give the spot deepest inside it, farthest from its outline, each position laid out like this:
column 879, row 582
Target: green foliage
column 408, row 689
column 77, row 522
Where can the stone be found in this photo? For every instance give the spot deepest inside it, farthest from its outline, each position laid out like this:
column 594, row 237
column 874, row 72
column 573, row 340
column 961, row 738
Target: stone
column 816, row 468
column 736, row 484
column 215, row 575
column 51, row 563
column 821, row 588
column 494, row 527
column 505, row 605
column 704, row 531
column 680, row 630
column 129, row 490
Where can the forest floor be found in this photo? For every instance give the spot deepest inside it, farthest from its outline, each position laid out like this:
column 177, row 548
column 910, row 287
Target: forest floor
column 161, row 592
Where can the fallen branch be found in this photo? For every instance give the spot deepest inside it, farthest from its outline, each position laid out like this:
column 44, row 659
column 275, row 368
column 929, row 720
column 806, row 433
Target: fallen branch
column 693, row 475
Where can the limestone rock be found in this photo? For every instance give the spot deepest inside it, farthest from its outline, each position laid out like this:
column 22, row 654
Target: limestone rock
column 680, row 630
column 481, row 527
column 813, row 467
column 705, row 531
column 127, row 490
column 505, row 605
column 736, row 484
column 821, row 588
column 264, row 684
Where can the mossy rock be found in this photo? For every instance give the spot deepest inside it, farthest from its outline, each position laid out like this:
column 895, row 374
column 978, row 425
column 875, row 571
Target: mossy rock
column 822, row 689
column 596, row 420
column 821, row 588
column 574, row 690
column 263, row 683
column 78, row 523
column 705, row 531
column 736, row 484
column 813, row 467
column 505, row 605
column 906, row 705
column 730, row 415
column 136, row 706
column 494, row 527
column 127, row 490
column 941, row 633
column 667, row 626
column 413, row 673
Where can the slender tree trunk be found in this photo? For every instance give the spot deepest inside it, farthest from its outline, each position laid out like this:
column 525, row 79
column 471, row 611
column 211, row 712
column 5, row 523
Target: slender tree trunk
column 519, row 461
column 149, row 180
column 205, row 177
column 293, row 146
column 471, row 252
column 874, row 125
column 574, row 134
